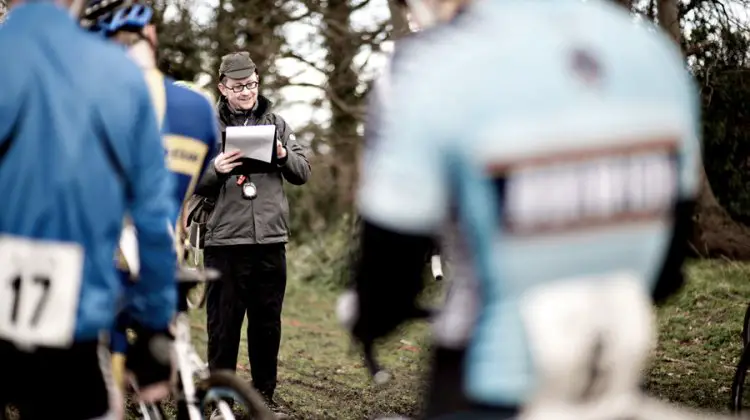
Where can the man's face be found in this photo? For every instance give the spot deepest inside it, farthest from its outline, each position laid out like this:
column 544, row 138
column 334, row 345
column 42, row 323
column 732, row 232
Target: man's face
column 240, row 93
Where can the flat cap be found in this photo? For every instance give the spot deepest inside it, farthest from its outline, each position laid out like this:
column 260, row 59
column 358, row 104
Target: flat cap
column 237, row 65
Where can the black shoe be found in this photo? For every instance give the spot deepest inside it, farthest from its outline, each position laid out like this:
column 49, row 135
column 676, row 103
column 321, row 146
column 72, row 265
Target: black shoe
column 277, row 409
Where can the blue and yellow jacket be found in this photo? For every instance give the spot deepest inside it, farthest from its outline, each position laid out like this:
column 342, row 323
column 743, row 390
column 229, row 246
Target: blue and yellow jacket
column 190, row 138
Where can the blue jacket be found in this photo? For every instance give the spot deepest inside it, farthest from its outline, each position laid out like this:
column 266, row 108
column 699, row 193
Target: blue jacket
column 79, row 148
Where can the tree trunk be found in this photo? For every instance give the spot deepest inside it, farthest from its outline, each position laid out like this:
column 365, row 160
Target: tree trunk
column 398, row 20
column 341, row 44
column 715, row 233
column 627, row 4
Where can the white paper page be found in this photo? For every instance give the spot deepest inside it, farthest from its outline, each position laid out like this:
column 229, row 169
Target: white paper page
column 255, row 142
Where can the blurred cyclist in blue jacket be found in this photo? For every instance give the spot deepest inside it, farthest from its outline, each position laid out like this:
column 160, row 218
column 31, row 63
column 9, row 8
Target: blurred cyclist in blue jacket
column 186, row 119
column 79, row 148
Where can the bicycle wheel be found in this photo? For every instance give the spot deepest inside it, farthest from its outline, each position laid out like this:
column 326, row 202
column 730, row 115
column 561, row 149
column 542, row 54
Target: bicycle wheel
column 738, row 384
column 226, row 385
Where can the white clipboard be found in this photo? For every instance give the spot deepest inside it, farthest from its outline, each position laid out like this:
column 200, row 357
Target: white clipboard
column 255, row 141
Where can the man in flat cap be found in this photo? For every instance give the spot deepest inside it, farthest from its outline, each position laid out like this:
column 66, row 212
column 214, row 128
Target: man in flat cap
column 247, row 231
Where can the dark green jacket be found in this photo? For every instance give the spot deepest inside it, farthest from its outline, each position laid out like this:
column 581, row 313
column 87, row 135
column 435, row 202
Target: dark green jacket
column 265, row 220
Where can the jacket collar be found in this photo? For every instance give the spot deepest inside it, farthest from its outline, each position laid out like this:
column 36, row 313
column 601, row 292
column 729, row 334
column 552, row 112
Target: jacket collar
column 227, row 114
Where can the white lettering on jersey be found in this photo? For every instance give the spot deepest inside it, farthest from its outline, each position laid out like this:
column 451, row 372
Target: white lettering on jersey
column 40, row 284
column 570, row 193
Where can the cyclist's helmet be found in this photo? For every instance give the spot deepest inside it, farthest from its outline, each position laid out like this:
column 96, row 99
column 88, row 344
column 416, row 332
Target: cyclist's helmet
column 107, row 17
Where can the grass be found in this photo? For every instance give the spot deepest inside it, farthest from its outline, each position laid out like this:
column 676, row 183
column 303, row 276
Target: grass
column 320, row 377
column 699, row 337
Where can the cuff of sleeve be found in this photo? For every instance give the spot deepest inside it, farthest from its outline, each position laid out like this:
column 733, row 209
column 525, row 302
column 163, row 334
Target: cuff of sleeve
column 283, row 161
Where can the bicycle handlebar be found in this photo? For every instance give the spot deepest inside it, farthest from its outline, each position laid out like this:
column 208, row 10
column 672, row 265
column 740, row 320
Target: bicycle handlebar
column 437, row 267
column 187, row 279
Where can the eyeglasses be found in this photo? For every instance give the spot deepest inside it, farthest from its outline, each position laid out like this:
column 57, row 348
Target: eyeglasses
column 240, row 88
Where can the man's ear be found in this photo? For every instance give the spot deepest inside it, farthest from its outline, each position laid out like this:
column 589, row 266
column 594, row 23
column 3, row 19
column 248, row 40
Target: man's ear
column 150, row 33
column 222, row 89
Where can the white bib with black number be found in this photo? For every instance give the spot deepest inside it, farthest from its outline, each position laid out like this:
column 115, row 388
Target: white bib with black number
column 40, row 283
column 589, row 339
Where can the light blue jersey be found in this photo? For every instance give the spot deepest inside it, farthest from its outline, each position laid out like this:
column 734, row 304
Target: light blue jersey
column 79, row 147
column 558, row 137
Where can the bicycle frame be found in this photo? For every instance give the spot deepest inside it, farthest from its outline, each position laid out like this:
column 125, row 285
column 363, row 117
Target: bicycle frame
column 189, row 366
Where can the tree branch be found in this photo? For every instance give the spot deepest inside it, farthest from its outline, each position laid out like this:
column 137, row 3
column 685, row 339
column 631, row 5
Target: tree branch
column 370, row 37
column 698, row 48
column 292, row 54
column 356, row 112
column 359, row 5
column 306, row 14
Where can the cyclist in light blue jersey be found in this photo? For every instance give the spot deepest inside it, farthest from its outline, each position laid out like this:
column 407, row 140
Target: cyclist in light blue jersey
column 560, row 142
column 79, row 147
column 185, row 116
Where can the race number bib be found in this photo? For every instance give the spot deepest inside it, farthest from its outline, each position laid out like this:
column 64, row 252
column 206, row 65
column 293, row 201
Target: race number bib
column 589, row 339
column 41, row 283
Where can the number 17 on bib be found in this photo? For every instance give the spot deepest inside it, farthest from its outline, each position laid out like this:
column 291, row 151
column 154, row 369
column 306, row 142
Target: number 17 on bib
column 40, row 284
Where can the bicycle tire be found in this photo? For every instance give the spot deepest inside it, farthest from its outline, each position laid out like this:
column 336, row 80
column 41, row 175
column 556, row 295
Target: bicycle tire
column 738, row 383
column 746, row 328
column 242, row 391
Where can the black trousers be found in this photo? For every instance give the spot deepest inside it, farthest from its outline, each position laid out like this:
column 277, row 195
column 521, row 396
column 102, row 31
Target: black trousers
column 54, row 383
column 445, row 397
column 253, row 283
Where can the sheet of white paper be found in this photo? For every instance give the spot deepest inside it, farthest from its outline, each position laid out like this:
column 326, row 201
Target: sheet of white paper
column 255, row 142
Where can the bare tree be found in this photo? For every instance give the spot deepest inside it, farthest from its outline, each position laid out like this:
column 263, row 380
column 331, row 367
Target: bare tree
column 345, row 52
column 398, row 20
column 253, row 26
column 3, row 9
column 182, row 39
column 716, row 233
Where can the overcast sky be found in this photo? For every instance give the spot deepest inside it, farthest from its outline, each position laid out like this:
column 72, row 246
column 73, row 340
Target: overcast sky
column 297, row 35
